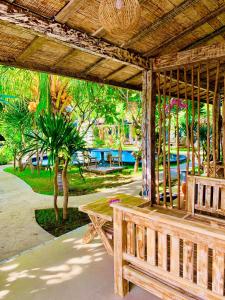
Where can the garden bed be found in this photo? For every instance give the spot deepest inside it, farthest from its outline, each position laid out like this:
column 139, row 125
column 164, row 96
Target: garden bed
column 46, row 219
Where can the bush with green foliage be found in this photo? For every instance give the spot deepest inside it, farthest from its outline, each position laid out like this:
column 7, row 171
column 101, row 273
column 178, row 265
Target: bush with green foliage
column 5, row 155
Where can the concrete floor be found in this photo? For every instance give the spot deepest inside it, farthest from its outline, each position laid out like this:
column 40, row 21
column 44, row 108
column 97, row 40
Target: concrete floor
column 62, row 269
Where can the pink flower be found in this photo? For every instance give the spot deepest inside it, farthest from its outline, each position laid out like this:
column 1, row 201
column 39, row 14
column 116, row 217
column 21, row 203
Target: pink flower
column 176, row 102
column 111, row 201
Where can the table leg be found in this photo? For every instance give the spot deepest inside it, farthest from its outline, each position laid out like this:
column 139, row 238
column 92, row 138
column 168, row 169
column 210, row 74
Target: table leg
column 98, row 223
column 90, row 234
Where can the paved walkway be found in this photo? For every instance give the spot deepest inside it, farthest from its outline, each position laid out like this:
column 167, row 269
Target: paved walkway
column 63, row 269
column 18, row 228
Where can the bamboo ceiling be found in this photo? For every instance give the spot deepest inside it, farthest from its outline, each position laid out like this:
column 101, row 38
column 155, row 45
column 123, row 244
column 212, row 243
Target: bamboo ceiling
column 166, row 27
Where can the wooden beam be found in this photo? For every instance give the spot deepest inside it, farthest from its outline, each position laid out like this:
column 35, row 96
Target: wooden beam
column 71, row 53
column 31, row 48
column 148, row 135
column 93, row 66
column 160, row 21
column 62, row 71
column 205, row 38
column 173, row 40
column 133, row 76
column 70, row 37
column 99, row 32
column 114, row 72
column 69, row 9
column 197, row 55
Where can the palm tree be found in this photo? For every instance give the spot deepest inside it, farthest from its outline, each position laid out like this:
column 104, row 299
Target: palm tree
column 56, row 136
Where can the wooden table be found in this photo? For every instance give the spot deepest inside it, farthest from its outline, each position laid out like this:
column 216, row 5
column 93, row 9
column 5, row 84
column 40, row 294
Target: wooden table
column 101, row 213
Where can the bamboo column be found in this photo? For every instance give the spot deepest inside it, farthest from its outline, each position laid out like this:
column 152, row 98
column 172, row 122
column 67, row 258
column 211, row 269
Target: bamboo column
column 224, row 124
column 198, row 123
column 164, row 141
column 187, row 121
column 159, row 137
column 169, row 140
column 178, row 140
column 193, row 121
column 148, row 135
column 208, row 120
column 215, row 108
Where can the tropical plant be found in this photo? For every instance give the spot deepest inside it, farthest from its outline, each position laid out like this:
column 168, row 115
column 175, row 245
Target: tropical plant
column 55, row 136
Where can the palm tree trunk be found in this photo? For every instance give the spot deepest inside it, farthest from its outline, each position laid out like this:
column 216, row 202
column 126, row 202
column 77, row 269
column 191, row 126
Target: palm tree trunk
column 56, row 189
column 65, row 190
column 136, row 165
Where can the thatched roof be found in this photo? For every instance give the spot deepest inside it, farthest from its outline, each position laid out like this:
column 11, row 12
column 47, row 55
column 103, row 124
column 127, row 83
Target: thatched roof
column 66, row 37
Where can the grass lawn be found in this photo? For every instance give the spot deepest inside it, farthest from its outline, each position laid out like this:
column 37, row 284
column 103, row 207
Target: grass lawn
column 43, row 183
column 46, row 219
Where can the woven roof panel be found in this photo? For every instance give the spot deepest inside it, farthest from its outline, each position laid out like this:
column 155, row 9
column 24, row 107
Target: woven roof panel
column 47, row 8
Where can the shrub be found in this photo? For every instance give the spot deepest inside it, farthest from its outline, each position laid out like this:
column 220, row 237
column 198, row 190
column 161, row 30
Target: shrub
column 5, row 155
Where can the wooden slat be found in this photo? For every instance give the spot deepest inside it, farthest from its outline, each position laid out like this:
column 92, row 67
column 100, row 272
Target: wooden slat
column 130, row 238
column 200, row 194
column 202, row 265
column 188, row 260
column 162, row 251
column 216, row 197
column 151, row 246
column 140, row 242
column 222, row 198
column 218, row 272
column 175, row 255
column 208, row 196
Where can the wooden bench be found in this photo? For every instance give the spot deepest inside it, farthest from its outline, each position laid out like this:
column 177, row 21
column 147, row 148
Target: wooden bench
column 169, row 257
column 206, row 195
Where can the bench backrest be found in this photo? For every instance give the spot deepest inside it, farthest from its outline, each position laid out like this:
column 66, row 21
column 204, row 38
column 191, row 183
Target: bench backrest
column 152, row 248
column 206, row 195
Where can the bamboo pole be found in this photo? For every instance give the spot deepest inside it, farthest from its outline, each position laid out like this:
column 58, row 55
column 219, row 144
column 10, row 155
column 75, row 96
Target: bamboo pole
column 208, row 121
column 193, row 121
column 177, row 140
column 224, row 125
column 215, row 99
column 198, row 123
column 159, row 141
column 187, row 121
column 164, row 141
column 169, row 141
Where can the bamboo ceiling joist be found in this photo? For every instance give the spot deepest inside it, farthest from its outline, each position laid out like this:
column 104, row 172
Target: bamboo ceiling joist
column 189, row 57
column 174, row 39
column 68, row 36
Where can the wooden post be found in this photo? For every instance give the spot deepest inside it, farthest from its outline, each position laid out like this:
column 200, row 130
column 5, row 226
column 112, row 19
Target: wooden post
column 121, row 286
column 148, row 135
column 224, row 125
